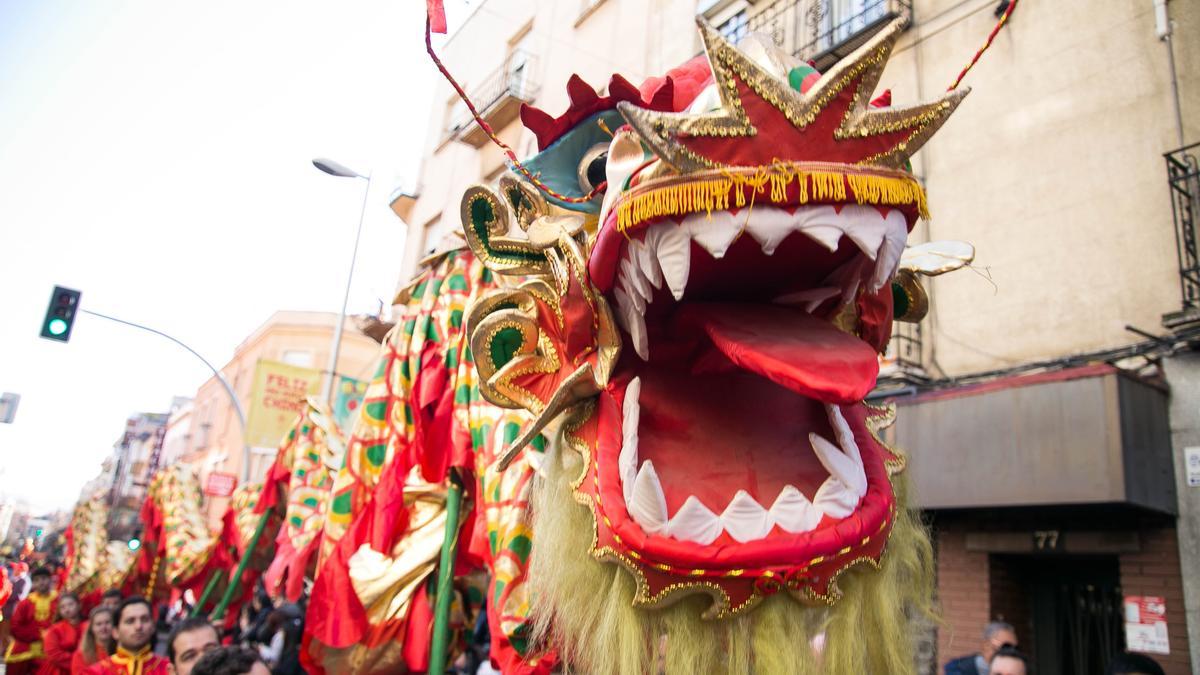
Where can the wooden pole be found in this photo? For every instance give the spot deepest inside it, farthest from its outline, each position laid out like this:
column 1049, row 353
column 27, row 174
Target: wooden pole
column 235, row 582
column 208, row 590
column 445, row 583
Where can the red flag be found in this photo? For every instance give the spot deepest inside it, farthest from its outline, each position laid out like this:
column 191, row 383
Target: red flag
column 437, row 15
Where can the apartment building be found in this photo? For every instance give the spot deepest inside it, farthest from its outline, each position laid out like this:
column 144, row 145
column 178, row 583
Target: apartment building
column 216, row 441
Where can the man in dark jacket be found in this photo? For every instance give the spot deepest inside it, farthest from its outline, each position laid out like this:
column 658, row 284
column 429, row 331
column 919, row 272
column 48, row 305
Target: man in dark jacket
column 995, row 635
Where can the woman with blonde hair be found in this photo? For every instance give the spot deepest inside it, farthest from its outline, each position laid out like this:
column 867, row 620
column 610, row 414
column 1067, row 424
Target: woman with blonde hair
column 97, row 641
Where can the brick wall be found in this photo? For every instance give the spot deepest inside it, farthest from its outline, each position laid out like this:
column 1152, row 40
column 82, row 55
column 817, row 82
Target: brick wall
column 1009, row 601
column 1155, row 571
column 963, row 595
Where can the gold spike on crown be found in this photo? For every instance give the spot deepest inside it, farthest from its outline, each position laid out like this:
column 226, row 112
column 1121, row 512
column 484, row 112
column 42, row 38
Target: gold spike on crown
column 763, row 120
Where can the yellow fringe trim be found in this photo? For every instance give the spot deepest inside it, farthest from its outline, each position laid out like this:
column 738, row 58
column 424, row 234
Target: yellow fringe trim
column 717, row 194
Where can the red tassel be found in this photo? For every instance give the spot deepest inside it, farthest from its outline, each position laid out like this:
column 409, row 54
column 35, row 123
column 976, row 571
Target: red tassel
column 437, row 15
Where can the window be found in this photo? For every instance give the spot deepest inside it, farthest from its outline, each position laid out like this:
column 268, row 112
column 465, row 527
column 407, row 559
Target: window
column 298, row 357
column 735, row 27
column 520, row 60
column 842, row 19
column 432, row 234
column 456, row 114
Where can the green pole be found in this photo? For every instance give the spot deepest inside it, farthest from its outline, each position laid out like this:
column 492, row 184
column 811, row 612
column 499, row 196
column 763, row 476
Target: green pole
column 219, row 612
column 208, row 590
column 441, row 611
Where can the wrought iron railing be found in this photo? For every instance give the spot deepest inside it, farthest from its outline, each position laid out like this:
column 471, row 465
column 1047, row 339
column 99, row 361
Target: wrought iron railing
column 515, row 78
column 1183, row 177
column 907, row 346
column 823, row 31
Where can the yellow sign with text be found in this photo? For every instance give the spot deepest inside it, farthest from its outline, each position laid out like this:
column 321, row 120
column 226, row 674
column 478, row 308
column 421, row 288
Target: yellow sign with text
column 276, row 400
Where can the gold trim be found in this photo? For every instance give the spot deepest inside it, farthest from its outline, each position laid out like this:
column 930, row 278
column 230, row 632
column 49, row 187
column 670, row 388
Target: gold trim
column 721, row 189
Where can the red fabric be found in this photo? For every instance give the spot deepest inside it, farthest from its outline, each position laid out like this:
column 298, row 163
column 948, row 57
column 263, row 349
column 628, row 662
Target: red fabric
column 585, row 102
column 290, row 566
column 685, row 83
column 418, row 632
column 26, row 629
column 5, row 590
column 69, row 536
column 805, row 354
column 79, row 664
column 509, row 662
column 153, row 664
column 433, row 403
column 89, row 601
column 59, row 645
column 437, row 15
column 875, row 317
column 335, row 615
column 273, row 486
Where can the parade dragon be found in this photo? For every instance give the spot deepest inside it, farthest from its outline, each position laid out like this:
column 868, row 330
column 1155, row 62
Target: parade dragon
column 643, row 366
column 697, row 339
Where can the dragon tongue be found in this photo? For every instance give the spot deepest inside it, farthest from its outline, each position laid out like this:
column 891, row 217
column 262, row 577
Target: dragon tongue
column 791, row 348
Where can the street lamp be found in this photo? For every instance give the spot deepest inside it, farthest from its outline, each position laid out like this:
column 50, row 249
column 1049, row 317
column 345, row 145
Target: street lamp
column 334, row 169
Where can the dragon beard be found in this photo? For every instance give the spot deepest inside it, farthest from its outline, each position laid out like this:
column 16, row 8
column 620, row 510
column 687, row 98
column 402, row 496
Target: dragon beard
column 584, row 608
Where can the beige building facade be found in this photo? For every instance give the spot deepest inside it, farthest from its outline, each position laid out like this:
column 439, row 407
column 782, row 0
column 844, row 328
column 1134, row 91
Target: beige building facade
column 1053, row 391
column 510, row 52
column 301, row 339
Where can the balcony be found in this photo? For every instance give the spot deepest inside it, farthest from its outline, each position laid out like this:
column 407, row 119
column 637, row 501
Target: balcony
column 498, row 99
column 821, row 31
column 902, row 366
column 1183, row 179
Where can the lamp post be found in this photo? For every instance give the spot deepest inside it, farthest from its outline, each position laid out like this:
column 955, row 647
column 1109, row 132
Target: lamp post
column 334, row 169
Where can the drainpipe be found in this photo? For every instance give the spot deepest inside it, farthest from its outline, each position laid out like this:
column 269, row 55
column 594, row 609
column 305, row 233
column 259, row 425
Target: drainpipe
column 1162, row 28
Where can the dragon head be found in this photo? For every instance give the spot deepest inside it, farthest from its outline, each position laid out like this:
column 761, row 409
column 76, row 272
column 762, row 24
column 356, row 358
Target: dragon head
column 711, row 345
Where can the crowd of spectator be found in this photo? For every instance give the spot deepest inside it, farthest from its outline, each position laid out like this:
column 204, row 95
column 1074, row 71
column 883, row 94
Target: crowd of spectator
column 45, row 630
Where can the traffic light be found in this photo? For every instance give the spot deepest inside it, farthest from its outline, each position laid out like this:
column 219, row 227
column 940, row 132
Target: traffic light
column 60, row 316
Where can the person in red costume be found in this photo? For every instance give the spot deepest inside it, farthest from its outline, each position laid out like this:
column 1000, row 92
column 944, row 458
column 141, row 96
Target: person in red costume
column 134, row 629
column 30, row 620
column 97, row 642
column 62, row 638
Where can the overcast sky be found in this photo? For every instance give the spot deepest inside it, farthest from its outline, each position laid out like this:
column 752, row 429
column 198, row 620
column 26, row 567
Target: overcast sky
column 156, row 156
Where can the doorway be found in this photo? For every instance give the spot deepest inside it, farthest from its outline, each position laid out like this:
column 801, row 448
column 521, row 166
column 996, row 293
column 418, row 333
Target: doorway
column 1067, row 610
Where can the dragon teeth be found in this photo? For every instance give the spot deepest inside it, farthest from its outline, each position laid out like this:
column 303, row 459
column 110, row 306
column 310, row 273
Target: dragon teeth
column 839, row 464
column 648, row 504
column 834, row 499
column 715, row 232
column 694, row 522
column 744, row 519
column 664, row 255
column 793, row 512
column 628, row 460
column 674, row 247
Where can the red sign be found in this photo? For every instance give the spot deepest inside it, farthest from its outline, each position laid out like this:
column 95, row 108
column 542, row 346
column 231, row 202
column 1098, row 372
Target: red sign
column 1146, row 624
column 220, row 484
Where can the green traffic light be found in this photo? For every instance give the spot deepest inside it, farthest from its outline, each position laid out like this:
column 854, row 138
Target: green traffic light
column 57, row 326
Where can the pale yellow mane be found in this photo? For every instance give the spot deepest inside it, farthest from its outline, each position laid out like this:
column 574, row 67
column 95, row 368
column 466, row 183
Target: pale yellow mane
column 584, row 608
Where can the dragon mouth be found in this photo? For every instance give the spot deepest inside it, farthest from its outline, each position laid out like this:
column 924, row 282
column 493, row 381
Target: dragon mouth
column 740, row 402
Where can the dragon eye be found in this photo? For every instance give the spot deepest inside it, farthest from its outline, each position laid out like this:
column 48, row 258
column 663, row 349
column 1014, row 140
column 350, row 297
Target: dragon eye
column 592, row 167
